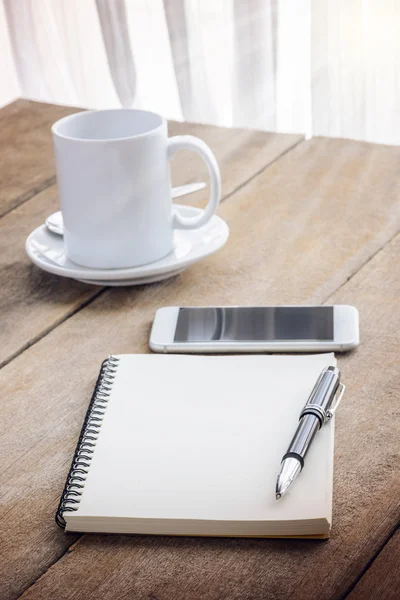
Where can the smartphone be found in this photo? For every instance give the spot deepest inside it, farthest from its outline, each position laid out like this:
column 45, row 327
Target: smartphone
column 255, row 329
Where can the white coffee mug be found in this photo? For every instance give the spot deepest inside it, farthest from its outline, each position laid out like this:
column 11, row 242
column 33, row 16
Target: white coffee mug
column 115, row 191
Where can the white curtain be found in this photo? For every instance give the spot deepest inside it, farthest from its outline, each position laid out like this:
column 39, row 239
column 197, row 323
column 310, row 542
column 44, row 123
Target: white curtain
column 327, row 67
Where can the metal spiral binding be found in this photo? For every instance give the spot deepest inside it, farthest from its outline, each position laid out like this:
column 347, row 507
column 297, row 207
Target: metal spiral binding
column 79, row 469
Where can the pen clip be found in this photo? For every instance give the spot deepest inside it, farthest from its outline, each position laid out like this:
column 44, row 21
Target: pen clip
column 339, row 394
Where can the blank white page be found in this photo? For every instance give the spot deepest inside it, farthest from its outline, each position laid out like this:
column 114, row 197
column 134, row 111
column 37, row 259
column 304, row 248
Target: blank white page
column 202, row 438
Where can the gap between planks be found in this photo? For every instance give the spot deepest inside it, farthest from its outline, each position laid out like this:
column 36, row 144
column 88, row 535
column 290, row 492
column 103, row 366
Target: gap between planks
column 272, row 162
column 364, row 264
column 20, row 200
column 370, row 562
column 30, row 196
column 48, row 330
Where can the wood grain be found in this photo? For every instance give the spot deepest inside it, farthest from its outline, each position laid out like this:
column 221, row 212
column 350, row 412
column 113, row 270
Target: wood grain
column 29, row 297
column 382, row 579
column 366, row 461
column 241, row 154
column 27, row 163
column 38, row 301
column 299, row 230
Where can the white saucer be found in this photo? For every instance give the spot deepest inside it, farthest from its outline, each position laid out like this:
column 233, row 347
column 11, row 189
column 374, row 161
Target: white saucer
column 46, row 250
column 133, row 281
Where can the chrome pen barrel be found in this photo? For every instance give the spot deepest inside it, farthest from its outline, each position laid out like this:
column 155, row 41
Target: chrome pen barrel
column 319, row 408
column 322, row 395
column 315, row 413
column 305, row 432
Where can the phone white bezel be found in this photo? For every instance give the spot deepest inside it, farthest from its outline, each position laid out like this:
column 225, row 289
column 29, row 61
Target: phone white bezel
column 346, row 336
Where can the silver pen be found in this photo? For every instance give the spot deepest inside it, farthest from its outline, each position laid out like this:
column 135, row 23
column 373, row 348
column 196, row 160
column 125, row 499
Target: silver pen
column 318, row 410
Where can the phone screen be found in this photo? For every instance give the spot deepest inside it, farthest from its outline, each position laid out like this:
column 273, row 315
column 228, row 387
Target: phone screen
column 255, row 324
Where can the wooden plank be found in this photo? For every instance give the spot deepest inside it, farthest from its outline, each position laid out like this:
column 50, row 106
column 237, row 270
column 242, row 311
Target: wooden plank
column 366, row 482
column 27, row 163
column 29, row 297
column 241, row 154
column 382, row 579
column 37, row 301
column 299, row 231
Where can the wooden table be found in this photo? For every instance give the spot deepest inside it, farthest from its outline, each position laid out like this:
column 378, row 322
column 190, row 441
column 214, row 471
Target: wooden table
column 311, row 222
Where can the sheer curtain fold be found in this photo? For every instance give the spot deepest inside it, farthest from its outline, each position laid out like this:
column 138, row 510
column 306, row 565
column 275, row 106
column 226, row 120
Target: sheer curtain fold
column 179, row 40
column 114, row 28
column 305, row 66
column 198, row 60
column 59, row 53
column 9, row 81
column 356, row 65
column 255, row 74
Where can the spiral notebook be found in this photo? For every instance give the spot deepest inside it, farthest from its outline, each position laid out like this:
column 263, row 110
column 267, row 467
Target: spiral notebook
column 191, row 445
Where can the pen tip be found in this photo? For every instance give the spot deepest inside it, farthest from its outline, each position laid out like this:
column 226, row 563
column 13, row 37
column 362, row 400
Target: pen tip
column 277, row 496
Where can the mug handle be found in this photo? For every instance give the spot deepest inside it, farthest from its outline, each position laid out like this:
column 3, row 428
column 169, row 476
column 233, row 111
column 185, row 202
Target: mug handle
column 190, row 142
